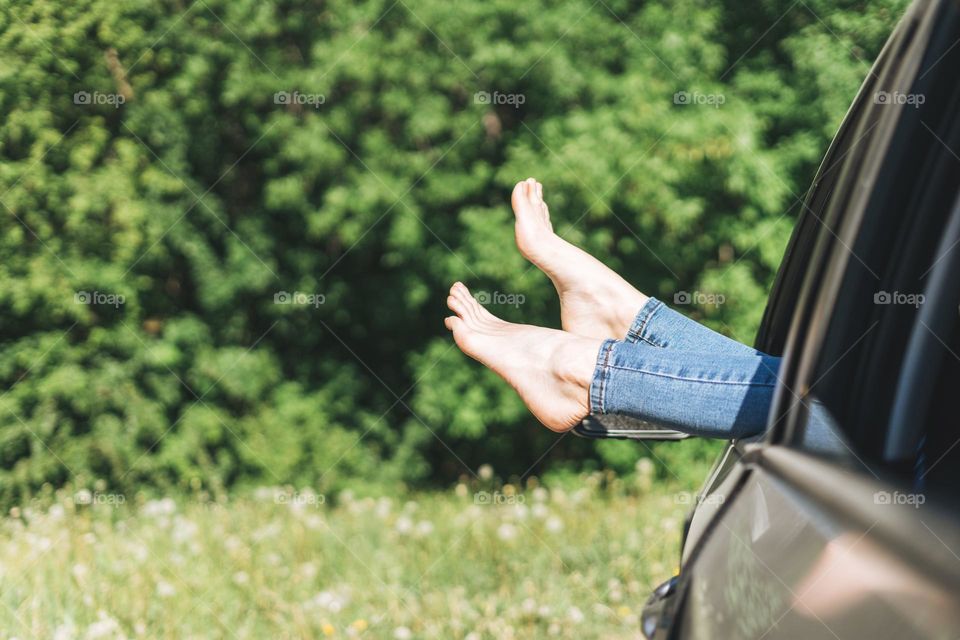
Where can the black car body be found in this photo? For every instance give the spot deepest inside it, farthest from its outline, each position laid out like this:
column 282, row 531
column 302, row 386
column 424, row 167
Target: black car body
column 842, row 520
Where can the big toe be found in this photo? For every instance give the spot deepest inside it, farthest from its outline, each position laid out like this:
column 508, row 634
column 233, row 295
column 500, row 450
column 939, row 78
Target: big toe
column 520, row 198
column 463, row 334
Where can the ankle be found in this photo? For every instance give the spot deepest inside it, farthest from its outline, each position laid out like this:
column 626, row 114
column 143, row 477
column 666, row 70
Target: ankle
column 574, row 361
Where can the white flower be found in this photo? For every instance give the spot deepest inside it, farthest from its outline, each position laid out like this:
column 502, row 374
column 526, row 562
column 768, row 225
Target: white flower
column 269, row 531
column 233, row 544
column 241, row 577
column 104, row 627
column 554, row 524
column 79, row 572
column 424, row 528
column 540, row 495
column 404, row 525
column 402, row 633
column 165, row 589
column 519, row 512
column 575, row 615
column 384, row 506
column 265, row 494
column 644, row 467
column 540, row 511
column 529, row 606
column 506, row 531
column 331, row 601
column 66, row 631
column 308, row 570
column 159, row 508
column 485, row 472
column 184, row 530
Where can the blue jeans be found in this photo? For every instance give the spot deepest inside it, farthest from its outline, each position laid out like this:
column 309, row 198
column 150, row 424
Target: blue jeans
column 678, row 373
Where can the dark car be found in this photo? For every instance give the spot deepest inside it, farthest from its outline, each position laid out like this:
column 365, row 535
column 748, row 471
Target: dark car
column 843, row 519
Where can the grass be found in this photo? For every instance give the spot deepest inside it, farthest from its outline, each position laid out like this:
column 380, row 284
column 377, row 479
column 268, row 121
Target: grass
column 479, row 561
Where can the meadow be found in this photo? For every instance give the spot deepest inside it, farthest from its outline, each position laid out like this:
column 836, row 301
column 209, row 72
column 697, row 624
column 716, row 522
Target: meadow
column 482, row 560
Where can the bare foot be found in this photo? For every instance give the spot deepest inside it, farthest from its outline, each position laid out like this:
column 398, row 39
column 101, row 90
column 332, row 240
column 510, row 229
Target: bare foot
column 594, row 301
column 550, row 369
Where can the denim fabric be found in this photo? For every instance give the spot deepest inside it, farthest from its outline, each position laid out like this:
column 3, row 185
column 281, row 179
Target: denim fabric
column 659, row 325
column 675, row 372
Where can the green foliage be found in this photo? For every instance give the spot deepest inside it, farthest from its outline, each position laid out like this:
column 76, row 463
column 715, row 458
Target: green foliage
column 201, row 197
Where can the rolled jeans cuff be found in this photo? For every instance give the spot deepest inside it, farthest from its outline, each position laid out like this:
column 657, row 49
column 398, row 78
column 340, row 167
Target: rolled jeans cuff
column 639, row 329
column 600, row 376
column 708, row 394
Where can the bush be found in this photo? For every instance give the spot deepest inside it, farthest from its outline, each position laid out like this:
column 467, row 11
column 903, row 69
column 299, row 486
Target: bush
column 172, row 174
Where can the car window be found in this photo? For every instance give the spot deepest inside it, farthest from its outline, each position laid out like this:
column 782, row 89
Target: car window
column 895, row 194
column 796, row 265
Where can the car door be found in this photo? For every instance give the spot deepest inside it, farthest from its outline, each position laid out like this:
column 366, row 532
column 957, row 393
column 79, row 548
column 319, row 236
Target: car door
column 842, row 520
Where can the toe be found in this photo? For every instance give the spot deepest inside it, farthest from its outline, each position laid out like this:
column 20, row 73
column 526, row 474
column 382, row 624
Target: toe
column 460, row 292
column 455, row 304
column 463, row 335
column 539, row 191
column 519, row 196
